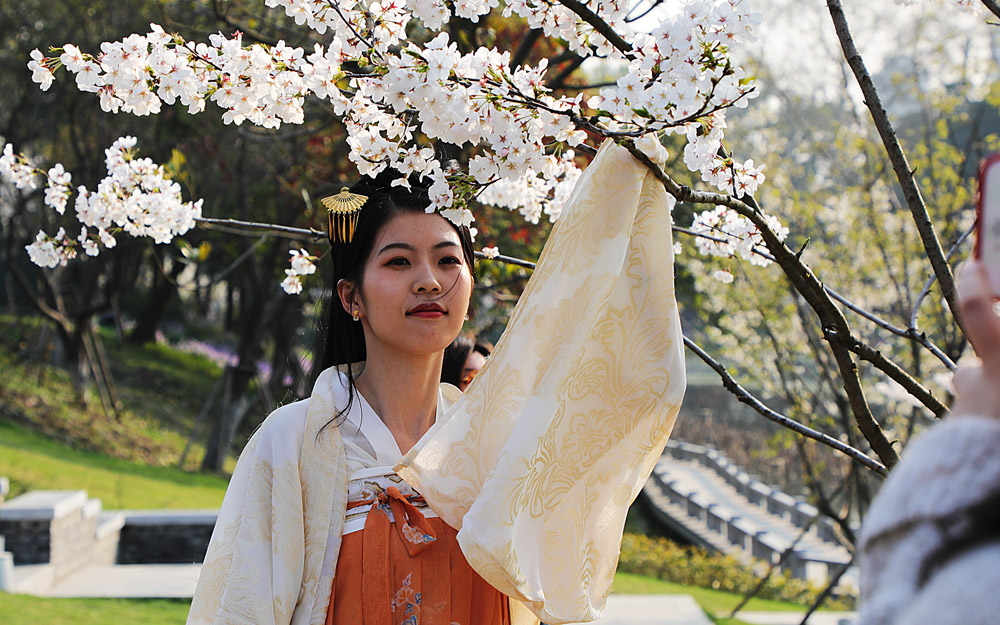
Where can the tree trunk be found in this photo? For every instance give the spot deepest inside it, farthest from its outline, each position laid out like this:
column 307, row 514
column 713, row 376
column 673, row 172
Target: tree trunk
column 254, row 320
column 234, row 406
column 76, row 361
column 163, row 289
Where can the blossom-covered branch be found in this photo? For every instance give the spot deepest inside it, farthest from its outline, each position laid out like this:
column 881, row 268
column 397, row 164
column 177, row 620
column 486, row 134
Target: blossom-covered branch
column 136, row 197
column 680, row 80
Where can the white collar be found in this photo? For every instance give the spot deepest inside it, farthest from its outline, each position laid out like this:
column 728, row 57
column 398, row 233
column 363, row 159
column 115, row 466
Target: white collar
column 365, row 428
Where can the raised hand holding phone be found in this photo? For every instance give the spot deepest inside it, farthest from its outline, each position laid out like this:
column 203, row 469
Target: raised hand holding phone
column 977, row 381
column 988, row 221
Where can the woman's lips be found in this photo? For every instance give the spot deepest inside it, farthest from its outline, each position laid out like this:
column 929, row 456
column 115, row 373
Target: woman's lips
column 428, row 314
column 427, row 311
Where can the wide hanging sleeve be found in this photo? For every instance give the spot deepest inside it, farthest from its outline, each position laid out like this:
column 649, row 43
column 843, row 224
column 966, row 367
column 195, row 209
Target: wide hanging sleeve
column 538, row 461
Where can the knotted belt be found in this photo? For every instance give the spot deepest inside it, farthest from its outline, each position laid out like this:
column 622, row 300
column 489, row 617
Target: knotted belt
column 376, row 577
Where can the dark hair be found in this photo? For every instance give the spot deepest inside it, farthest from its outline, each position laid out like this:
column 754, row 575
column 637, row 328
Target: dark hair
column 963, row 531
column 455, row 356
column 342, row 340
column 484, row 348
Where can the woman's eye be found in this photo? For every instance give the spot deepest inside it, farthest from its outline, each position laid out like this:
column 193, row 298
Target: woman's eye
column 398, row 261
column 451, row 260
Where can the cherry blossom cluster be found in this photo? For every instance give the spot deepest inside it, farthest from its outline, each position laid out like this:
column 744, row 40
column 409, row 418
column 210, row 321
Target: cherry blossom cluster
column 136, row 197
column 680, row 72
column 303, row 264
column 730, row 234
column 17, row 168
column 142, row 72
column 531, row 195
column 680, row 79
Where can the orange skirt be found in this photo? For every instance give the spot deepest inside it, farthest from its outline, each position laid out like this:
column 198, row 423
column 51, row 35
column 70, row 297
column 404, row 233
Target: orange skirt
column 408, row 571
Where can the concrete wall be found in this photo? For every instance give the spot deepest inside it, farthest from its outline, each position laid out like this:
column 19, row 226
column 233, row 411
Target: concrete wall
column 169, row 537
column 64, row 531
column 799, row 513
column 715, row 521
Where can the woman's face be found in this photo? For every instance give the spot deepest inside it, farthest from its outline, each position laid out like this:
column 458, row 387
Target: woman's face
column 415, row 287
column 473, row 363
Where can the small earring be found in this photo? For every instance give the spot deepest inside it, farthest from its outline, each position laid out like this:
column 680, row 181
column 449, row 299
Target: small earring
column 466, row 316
column 356, row 316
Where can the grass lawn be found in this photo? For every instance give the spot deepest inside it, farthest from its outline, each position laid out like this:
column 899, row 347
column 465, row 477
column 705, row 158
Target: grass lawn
column 50, row 440
column 28, row 610
column 714, row 602
column 161, row 390
column 34, row 462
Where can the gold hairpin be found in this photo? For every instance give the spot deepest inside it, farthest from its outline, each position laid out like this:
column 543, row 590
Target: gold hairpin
column 342, row 214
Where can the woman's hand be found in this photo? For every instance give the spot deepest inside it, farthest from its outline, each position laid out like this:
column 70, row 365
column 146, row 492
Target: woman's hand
column 977, row 380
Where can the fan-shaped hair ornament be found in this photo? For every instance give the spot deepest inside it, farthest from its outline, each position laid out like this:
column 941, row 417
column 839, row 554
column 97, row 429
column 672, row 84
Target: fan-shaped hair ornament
column 342, row 214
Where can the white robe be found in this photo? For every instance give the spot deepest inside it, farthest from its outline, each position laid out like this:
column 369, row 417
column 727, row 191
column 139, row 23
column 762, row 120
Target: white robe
column 536, row 463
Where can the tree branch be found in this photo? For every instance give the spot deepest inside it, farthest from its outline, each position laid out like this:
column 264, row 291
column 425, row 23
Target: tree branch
column 804, row 281
column 910, row 333
column 745, row 397
column 826, row 592
column 46, row 311
column 236, row 226
column 993, row 7
column 904, row 174
column 524, row 48
column 605, row 29
column 930, row 281
column 891, row 369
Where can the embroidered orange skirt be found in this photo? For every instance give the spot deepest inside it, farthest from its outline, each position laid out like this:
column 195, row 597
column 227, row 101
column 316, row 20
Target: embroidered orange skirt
column 408, row 570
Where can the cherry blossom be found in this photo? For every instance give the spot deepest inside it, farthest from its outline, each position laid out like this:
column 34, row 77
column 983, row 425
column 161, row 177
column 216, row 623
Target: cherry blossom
column 136, row 197
column 723, row 276
column 292, row 284
column 303, row 264
column 730, row 234
column 680, row 80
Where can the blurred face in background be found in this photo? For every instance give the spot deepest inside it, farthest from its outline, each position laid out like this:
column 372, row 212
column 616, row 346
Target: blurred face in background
column 473, row 363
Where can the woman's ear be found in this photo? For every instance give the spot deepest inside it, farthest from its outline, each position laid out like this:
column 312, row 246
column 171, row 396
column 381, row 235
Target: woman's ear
column 347, row 296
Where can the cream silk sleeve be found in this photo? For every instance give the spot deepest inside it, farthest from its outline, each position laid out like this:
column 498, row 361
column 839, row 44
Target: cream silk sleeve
column 274, row 549
column 539, row 460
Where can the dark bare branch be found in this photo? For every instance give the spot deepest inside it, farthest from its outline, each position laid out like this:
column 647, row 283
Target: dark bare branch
column 910, row 333
column 524, row 48
column 745, row 397
column 605, row 29
column 250, row 228
column 928, row 235
column 805, row 282
column 992, row 6
column 894, row 371
column 930, row 281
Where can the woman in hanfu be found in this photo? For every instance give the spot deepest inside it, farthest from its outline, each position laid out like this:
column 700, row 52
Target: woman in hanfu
column 389, row 498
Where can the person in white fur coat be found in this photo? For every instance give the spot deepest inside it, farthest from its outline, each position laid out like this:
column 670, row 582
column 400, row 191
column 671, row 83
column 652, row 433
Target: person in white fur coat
column 930, row 546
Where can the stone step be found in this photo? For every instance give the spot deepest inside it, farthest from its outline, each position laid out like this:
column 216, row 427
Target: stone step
column 749, row 489
column 735, row 500
column 707, row 509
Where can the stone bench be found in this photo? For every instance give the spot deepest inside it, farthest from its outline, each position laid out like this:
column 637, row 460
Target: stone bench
column 58, row 529
column 165, row 536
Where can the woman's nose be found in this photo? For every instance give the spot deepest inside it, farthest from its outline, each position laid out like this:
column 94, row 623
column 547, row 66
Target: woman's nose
column 426, row 281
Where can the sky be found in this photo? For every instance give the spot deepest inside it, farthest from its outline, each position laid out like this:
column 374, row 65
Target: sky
column 934, row 38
